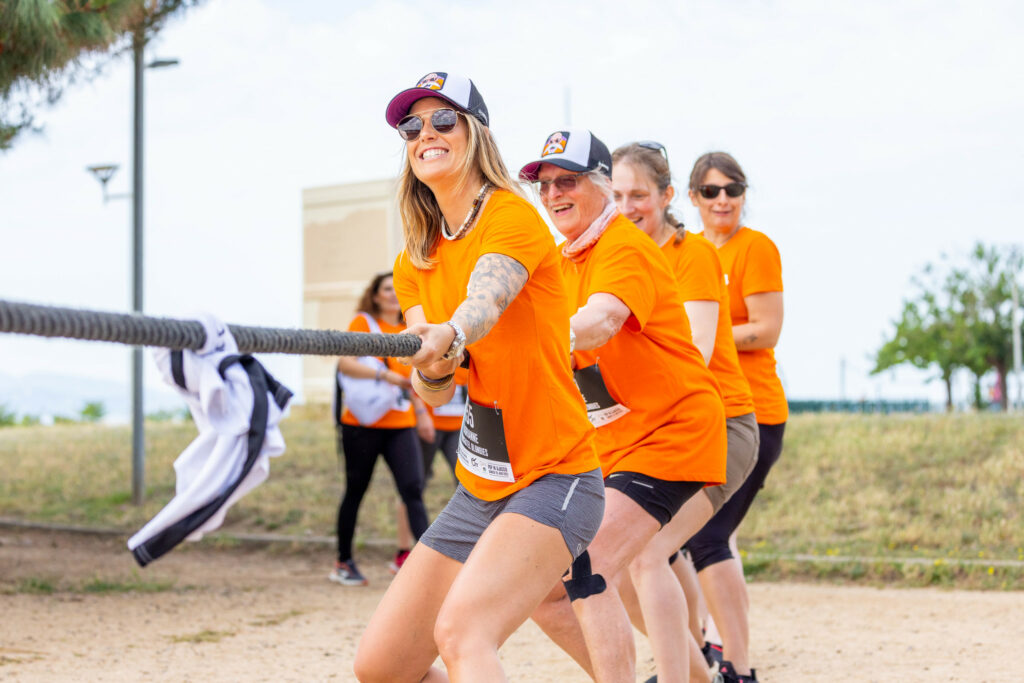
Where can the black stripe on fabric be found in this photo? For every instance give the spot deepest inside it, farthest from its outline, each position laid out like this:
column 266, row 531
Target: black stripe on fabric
column 164, row 541
column 178, row 368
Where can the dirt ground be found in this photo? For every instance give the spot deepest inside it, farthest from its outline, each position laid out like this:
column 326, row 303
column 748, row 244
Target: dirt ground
column 260, row 614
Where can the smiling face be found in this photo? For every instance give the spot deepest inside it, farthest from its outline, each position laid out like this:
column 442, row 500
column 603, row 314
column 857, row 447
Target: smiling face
column 721, row 214
column 572, row 211
column 639, row 199
column 437, row 159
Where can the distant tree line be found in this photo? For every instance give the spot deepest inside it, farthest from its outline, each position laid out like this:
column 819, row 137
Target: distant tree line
column 960, row 318
column 92, row 411
column 48, row 45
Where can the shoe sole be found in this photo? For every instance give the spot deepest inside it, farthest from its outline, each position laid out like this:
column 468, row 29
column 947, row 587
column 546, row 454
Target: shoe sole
column 347, row 582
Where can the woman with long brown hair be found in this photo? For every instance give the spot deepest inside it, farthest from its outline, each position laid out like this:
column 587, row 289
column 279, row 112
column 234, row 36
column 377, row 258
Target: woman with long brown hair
column 479, row 282
column 391, row 432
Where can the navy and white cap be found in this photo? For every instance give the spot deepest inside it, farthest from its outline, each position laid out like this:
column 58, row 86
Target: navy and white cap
column 575, row 149
column 457, row 90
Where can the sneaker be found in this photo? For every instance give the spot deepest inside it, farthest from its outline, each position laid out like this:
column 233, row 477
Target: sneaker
column 347, row 574
column 396, row 564
column 729, row 674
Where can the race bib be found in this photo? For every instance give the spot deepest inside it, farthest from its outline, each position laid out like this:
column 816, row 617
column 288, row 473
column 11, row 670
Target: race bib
column 482, row 448
column 602, row 409
column 456, row 406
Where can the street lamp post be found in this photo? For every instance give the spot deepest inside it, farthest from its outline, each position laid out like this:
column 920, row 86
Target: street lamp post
column 103, row 173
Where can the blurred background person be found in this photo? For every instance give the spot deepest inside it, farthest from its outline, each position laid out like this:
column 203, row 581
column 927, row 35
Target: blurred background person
column 379, row 418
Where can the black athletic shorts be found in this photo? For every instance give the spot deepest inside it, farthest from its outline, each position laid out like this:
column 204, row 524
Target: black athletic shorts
column 659, row 498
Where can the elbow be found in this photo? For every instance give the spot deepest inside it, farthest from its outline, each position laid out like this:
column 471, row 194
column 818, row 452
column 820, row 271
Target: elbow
column 611, row 326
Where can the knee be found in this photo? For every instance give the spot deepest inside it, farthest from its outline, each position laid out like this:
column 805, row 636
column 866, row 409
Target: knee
column 370, row 668
column 648, row 561
column 456, row 639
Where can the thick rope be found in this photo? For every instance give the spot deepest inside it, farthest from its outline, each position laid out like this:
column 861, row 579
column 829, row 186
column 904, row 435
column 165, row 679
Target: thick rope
column 140, row 330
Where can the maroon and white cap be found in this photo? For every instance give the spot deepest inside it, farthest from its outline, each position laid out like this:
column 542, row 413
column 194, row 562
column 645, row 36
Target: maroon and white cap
column 455, row 89
column 575, row 149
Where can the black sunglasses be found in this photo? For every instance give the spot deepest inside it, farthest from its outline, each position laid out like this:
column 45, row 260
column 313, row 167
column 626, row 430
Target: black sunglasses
column 442, row 120
column 656, row 146
column 564, row 183
column 731, row 190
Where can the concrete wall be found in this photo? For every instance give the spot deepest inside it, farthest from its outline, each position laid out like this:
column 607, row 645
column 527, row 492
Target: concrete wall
column 349, row 234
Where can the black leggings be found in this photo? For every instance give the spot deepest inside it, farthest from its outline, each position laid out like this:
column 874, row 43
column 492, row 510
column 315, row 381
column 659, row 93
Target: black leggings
column 448, row 443
column 401, row 451
column 710, row 545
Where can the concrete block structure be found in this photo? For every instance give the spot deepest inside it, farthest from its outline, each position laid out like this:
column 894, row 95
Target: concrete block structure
column 350, row 233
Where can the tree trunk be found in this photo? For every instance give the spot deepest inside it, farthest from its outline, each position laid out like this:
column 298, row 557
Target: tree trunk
column 1004, row 394
column 948, row 380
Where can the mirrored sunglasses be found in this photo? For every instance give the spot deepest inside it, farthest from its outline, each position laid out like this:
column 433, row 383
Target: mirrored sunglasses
column 441, row 120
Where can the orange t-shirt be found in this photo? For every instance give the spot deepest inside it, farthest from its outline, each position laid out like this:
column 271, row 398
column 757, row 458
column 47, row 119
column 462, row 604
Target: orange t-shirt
column 393, row 419
column 521, row 367
column 450, row 423
column 752, row 264
column 675, row 427
column 698, row 270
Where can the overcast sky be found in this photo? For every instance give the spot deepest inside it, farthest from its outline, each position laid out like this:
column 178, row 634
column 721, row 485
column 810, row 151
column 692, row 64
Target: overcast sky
column 876, row 136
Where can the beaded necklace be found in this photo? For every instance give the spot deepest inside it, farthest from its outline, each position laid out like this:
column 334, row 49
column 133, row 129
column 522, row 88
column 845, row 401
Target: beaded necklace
column 470, row 217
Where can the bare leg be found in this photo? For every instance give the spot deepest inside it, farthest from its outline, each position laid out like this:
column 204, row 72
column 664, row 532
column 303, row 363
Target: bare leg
column 661, row 597
column 404, row 622
column 698, row 671
column 495, row 593
column 555, row 617
column 726, row 592
column 687, row 576
column 625, row 530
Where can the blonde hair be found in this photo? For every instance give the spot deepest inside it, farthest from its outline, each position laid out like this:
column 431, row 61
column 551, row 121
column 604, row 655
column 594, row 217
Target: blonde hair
column 421, row 216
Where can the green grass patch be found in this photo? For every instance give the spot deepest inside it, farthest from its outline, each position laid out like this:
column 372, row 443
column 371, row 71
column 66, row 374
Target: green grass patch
column 204, row 636
column 940, row 487
column 275, row 619
column 97, row 585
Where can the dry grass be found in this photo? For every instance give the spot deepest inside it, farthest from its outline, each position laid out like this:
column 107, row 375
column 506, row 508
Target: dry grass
column 935, row 486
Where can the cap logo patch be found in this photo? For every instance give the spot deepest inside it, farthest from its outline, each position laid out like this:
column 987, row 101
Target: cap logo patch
column 432, row 81
column 556, row 143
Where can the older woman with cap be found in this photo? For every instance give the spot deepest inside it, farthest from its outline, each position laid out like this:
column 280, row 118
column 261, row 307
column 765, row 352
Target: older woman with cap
column 479, row 281
column 661, row 425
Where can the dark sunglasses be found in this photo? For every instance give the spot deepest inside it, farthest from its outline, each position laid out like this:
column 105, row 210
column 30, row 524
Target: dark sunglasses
column 442, row 120
column 656, row 146
column 564, row 183
column 731, row 190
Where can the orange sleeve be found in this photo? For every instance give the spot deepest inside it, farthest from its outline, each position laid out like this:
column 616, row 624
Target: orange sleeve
column 404, row 280
column 514, row 230
column 700, row 271
column 764, row 267
column 625, row 274
column 358, row 324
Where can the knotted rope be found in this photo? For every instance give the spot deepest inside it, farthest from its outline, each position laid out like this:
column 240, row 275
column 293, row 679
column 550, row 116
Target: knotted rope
column 141, row 330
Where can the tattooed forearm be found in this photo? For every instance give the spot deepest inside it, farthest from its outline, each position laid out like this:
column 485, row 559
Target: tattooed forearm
column 496, row 280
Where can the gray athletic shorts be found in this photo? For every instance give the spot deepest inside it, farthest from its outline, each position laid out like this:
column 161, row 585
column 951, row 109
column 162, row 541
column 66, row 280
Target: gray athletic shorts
column 571, row 503
column 744, row 439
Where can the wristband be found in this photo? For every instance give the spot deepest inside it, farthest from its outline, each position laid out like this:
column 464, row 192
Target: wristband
column 380, row 373
column 439, row 384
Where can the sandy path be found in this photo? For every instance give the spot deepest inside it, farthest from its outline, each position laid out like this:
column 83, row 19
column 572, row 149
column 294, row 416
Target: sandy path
column 260, row 615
